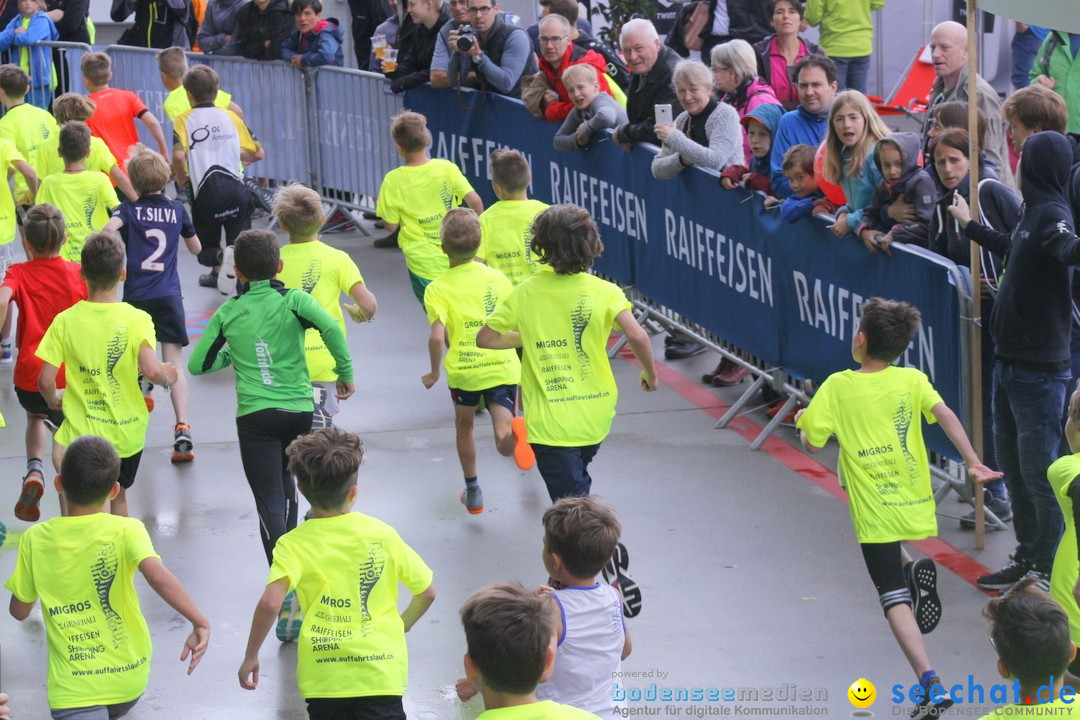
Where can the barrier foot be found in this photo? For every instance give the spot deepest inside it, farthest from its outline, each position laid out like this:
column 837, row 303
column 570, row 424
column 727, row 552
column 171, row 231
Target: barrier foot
column 739, row 404
column 774, row 423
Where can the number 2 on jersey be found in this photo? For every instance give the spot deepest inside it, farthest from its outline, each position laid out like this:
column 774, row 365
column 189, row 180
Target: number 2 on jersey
column 150, row 263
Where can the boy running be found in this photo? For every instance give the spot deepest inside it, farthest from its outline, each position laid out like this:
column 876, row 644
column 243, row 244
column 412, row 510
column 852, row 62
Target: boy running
column 506, row 226
column 116, row 110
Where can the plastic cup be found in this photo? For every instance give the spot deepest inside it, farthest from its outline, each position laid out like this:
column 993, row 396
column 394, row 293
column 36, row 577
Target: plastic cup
column 378, row 44
column 389, row 60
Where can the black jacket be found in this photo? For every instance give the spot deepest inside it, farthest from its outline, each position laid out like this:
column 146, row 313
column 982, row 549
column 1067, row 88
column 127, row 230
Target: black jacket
column 616, row 69
column 914, row 185
column 748, row 20
column 72, row 27
column 158, row 23
column 415, row 66
column 645, row 93
column 254, row 27
column 1031, row 321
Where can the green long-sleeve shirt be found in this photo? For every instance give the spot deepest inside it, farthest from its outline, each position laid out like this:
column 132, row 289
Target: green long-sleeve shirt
column 846, row 27
column 261, row 334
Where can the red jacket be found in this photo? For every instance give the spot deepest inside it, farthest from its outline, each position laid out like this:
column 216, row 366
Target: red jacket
column 558, row 110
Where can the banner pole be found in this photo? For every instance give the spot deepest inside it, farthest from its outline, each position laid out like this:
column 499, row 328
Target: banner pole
column 976, row 404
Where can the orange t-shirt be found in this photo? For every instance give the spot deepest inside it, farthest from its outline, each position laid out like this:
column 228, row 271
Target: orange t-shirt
column 114, row 120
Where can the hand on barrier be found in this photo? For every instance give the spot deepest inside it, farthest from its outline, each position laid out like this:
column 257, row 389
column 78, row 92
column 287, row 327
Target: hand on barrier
column 582, row 135
column 876, row 241
column 840, row 228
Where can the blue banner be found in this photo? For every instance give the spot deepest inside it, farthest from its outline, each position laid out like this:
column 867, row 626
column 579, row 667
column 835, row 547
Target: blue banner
column 788, row 294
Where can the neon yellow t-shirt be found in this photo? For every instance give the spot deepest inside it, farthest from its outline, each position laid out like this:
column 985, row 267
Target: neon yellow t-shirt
column 177, row 102
column 100, row 158
column 1058, row 708
column 100, row 344
column 461, row 299
column 345, row 571
column 566, row 382
column 505, row 234
column 1064, row 574
column 543, row 710
column 28, row 127
column 323, row 273
column 9, row 155
column 875, row 417
column 82, row 568
column 417, row 198
column 85, row 198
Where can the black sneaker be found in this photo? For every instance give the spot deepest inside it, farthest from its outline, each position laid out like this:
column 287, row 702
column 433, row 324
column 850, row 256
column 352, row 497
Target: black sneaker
column 208, row 280
column 998, row 506
column 681, row 349
column 1007, row 576
column 928, row 708
column 925, row 603
column 390, row 241
column 1041, row 578
column 616, row 571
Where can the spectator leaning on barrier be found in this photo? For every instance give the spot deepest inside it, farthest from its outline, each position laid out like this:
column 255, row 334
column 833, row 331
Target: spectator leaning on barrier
column 217, row 31
column 22, row 35
column 582, row 24
column 706, row 134
column 500, row 52
column 948, row 48
column 262, row 26
column 569, row 9
column 440, row 61
column 557, row 55
column 808, row 123
column 414, row 63
column 735, row 78
column 158, row 23
column 314, row 42
column 734, row 19
column 847, row 35
column 777, row 55
column 652, row 65
column 1057, row 66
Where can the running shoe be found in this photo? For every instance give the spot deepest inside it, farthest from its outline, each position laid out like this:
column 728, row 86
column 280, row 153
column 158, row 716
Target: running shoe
column 182, row 444
column 226, row 279
column 925, row 603
column 472, row 497
column 28, row 507
column 927, row 708
column 6, row 358
column 616, row 572
column 208, row 280
column 523, row 452
column 1007, row 576
column 289, row 618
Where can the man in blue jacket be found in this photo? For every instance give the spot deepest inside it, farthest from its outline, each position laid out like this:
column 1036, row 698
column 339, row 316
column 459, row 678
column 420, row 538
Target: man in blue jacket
column 808, row 123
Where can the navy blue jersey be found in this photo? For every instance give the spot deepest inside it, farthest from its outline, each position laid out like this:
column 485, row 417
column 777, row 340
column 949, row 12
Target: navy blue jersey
column 153, row 226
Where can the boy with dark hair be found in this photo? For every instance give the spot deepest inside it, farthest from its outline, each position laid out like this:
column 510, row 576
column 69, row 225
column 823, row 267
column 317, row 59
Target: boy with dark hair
column 458, row 302
column 417, row 195
column 562, row 321
column 114, row 117
column 151, row 229
column 806, row 198
column 341, row 558
column 1030, row 633
column 213, row 162
column 261, row 334
column 511, row 639
column 85, row 197
column 315, row 41
column 92, row 557
column 325, row 273
column 104, row 345
column 42, row 287
column 897, row 157
column 1031, row 323
column 874, row 413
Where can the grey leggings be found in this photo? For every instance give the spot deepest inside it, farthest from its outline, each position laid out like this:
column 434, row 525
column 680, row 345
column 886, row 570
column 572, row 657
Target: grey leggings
column 96, row 712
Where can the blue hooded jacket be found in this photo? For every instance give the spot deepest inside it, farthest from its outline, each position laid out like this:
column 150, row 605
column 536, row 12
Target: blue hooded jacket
column 321, row 46
column 39, row 67
column 768, row 115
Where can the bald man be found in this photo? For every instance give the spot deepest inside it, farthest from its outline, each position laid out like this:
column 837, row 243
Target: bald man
column 949, row 53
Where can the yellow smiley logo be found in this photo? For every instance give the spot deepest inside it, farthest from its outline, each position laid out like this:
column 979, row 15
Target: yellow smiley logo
column 862, row 693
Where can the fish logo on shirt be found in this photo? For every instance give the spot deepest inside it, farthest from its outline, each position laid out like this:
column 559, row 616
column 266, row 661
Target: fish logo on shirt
column 114, row 350
column 902, row 422
column 310, row 277
column 370, row 572
column 489, row 299
column 103, row 574
column 579, row 320
column 447, row 195
column 88, row 211
column 527, row 237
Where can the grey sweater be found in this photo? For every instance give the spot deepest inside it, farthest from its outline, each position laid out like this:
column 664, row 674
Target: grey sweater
column 604, row 112
column 725, row 144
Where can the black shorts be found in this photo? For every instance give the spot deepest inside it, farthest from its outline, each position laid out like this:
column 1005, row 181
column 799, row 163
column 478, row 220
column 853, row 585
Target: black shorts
column 223, row 202
column 34, row 402
column 376, row 707
column 129, row 466
column 170, row 324
column 504, row 395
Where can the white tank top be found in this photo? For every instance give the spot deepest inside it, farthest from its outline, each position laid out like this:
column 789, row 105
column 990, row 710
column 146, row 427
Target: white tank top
column 590, row 649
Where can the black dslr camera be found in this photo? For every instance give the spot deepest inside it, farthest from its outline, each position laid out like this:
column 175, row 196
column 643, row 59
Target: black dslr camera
column 466, row 38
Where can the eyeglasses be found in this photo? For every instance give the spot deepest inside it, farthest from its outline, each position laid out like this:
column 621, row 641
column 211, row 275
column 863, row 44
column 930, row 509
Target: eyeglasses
column 720, row 68
column 552, row 40
column 482, row 10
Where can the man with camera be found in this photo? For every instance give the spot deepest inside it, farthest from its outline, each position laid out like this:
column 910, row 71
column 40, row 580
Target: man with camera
column 489, row 51
column 440, row 61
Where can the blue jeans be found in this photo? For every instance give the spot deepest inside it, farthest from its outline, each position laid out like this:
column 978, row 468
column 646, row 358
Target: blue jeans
column 852, row 73
column 1027, row 431
column 565, row 469
column 1024, row 47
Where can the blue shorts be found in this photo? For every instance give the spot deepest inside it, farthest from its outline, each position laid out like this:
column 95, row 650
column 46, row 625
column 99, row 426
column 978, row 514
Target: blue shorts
column 505, row 395
column 170, row 324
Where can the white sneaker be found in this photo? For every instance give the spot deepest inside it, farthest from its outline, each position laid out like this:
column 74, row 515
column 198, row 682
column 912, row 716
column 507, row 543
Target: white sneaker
column 226, row 281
